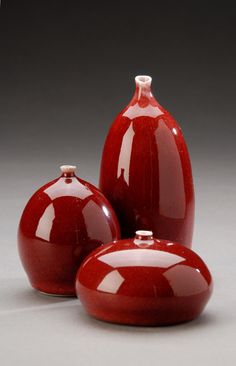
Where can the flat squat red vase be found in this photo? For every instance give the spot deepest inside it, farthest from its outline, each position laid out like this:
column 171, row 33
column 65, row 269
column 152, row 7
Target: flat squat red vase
column 61, row 224
column 144, row 281
column 146, row 171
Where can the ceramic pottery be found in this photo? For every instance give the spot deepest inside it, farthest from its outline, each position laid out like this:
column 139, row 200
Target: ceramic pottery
column 144, row 281
column 146, row 171
column 61, row 224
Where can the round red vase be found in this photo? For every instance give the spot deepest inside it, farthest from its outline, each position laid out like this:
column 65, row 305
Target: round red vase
column 144, row 281
column 146, row 170
column 61, row 224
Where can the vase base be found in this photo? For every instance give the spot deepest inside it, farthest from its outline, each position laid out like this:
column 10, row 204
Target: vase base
column 54, row 294
column 55, row 290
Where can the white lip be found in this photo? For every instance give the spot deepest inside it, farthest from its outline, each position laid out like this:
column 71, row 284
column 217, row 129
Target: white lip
column 68, row 168
column 143, row 80
column 144, row 233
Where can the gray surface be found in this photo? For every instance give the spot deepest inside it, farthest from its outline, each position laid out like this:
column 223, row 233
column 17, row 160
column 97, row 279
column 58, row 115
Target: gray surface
column 37, row 329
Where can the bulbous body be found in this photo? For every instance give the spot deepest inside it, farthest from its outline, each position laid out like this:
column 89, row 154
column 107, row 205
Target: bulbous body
column 61, row 224
column 144, row 281
column 146, row 171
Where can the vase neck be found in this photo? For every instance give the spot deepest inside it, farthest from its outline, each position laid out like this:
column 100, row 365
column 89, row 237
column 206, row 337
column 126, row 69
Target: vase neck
column 144, row 235
column 68, row 170
column 143, row 93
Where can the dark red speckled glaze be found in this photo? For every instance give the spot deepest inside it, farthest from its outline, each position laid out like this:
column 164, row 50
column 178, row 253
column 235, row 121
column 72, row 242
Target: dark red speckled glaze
column 61, row 224
column 146, row 171
column 144, row 281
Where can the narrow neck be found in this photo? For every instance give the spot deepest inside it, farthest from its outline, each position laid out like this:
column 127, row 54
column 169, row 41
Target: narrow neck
column 68, row 175
column 68, row 171
column 143, row 92
column 144, row 235
column 143, row 238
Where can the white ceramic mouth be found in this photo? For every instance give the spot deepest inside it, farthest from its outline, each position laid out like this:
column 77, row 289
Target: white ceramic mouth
column 144, row 233
column 65, row 169
column 143, row 80
column 143, row 237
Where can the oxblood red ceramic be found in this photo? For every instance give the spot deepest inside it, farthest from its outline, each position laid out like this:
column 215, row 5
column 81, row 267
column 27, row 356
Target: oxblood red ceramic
column 61, row 224
column 144, row 281
column 146, row 172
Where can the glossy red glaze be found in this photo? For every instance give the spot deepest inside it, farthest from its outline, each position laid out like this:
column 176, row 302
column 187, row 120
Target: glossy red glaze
column 61, row 224
column 144, row 281
column 146, row 171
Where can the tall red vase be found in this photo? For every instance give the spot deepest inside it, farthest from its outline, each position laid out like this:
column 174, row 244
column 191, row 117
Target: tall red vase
column 146, row 171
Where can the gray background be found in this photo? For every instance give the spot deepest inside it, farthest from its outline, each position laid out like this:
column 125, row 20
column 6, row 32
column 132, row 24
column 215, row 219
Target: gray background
column 66, row 71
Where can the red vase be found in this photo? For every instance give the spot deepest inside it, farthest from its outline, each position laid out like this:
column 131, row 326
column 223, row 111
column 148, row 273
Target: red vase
column 61, row 224
column 144, row 281
column 146, row 171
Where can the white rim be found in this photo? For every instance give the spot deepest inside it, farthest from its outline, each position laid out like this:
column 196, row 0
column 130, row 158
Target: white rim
column 144, row 233
column 68, row 168
column 143, row 80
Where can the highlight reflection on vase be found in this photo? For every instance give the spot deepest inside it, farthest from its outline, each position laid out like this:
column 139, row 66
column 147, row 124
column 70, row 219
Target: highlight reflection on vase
column 146, row 171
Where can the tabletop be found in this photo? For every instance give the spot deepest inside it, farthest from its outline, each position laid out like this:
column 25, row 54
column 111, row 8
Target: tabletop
column 38, row 329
